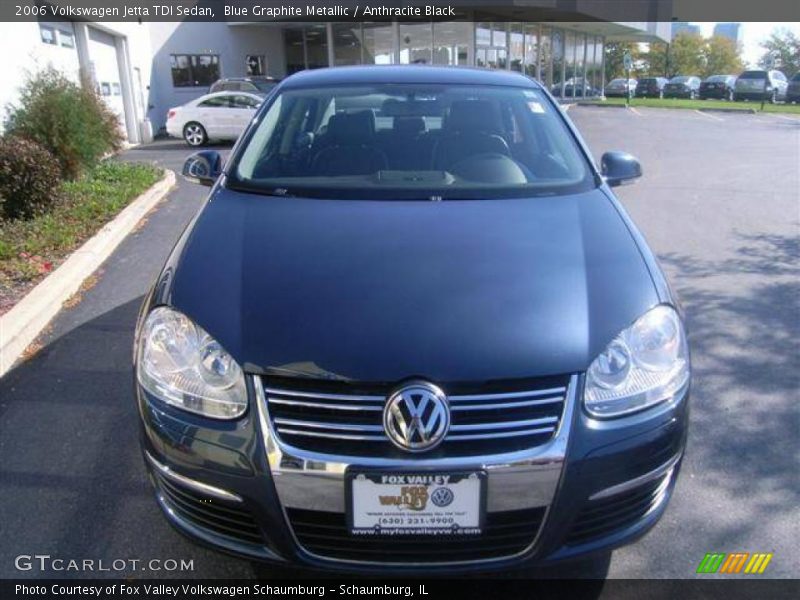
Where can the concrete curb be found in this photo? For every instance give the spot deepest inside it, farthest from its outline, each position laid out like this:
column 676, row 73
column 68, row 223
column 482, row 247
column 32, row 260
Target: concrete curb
column 601, row 105
column 744, row 111
column 20, row 326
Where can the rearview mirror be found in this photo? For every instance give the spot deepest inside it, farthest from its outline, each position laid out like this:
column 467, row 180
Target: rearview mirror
column 203, row 167
column 619, row 168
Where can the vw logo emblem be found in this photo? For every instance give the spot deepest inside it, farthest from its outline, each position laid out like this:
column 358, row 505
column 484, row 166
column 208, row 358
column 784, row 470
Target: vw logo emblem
column 416, row 417
column 442, row 497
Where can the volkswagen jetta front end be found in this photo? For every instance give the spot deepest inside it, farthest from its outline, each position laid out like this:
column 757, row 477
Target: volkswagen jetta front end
column 412, row 328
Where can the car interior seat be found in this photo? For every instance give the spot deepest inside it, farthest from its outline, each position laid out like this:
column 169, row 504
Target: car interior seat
column 349, row 146
column 471, row 127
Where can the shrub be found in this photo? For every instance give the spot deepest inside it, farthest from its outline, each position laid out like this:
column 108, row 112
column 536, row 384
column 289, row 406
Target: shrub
column 29, row 178
column 70, row 120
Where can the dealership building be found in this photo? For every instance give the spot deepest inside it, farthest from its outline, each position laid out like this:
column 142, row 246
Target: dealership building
column 143, row 69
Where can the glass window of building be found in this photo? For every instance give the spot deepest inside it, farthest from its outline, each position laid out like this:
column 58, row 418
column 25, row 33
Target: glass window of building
column 346, row 44
column 490, row 45
column 599, row 52
column 499, row 35
column 557, row 46
column 480, row 57
column 516, row 47
column 254, row 65
column 316, row 46
column 546, row 56
column 580, row 45
column 499, row 39
column 450, row 42
column 483, row 34
column 592, row 64
column 194, row 70
column 47, row 34
column 378, row 43
column 67, row 38
column 569, row 57
column 294, row 50
column 531, row 53
column 416, row 43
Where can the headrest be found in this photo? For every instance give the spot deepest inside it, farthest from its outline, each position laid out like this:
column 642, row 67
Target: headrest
column 351, row 127
column 409, row 126
column 474, row 116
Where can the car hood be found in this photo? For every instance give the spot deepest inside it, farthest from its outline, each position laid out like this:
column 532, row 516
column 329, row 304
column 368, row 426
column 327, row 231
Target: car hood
column 385, row 290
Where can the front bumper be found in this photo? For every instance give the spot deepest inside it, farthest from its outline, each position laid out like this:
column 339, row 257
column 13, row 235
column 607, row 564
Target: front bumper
column 232, row 485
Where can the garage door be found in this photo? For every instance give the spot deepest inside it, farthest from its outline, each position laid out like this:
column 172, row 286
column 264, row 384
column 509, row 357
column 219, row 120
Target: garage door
column 103, row 54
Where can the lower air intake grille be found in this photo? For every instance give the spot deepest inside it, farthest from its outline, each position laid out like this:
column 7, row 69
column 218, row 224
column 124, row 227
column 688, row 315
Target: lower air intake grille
column 228, row 519
column 505, row 534
column 605, row 516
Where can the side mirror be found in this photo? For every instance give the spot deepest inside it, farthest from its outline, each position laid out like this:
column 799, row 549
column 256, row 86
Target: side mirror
column 203, row 167
column 619, row 168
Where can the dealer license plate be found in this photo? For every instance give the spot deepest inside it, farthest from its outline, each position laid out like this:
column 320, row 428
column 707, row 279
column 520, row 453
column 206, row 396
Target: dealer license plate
column 398, row 503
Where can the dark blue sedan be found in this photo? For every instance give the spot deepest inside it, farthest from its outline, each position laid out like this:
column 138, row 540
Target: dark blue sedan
column 412, row 328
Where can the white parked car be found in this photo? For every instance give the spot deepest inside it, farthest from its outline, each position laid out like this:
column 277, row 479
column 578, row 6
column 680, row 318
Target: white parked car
column 217, row 116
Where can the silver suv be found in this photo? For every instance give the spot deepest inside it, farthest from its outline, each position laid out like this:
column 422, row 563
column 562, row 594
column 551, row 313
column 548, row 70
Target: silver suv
column 760, row 85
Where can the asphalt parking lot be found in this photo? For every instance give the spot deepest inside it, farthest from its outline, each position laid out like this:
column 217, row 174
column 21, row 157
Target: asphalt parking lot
column 719, row 204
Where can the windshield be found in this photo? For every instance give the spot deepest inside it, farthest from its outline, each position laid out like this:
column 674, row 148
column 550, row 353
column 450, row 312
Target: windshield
column 680, row 79
column 717, row 78
column 411, row 141
column 753, row 75
column 617, row 82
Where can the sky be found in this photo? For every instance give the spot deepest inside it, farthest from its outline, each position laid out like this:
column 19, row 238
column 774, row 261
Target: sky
column 752, row 35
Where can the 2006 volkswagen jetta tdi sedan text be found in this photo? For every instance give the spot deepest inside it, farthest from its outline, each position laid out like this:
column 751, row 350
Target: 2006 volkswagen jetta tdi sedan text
column 412, row 328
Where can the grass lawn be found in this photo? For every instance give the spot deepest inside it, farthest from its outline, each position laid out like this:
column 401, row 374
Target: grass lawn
column 696, row 104
column 30, row 249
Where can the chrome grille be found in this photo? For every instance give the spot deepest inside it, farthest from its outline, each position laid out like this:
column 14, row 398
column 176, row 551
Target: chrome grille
column 347, row 420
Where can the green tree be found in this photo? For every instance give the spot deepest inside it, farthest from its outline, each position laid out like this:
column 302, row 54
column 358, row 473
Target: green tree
column 654, row 61
column 686, row 55
column 614, row 58
column 722, row 57
column 783, row 47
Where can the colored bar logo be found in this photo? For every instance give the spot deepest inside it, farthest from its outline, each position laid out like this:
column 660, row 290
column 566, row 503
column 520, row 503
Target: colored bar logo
column 735, row 562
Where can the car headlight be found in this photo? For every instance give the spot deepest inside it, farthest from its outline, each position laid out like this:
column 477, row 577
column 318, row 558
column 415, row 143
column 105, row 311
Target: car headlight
column 184, row 366
column 644, row 365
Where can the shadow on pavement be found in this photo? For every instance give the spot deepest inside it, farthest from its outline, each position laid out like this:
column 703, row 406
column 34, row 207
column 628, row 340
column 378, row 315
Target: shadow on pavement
column 175, row 144
column 746, row 386
column 72, row 479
